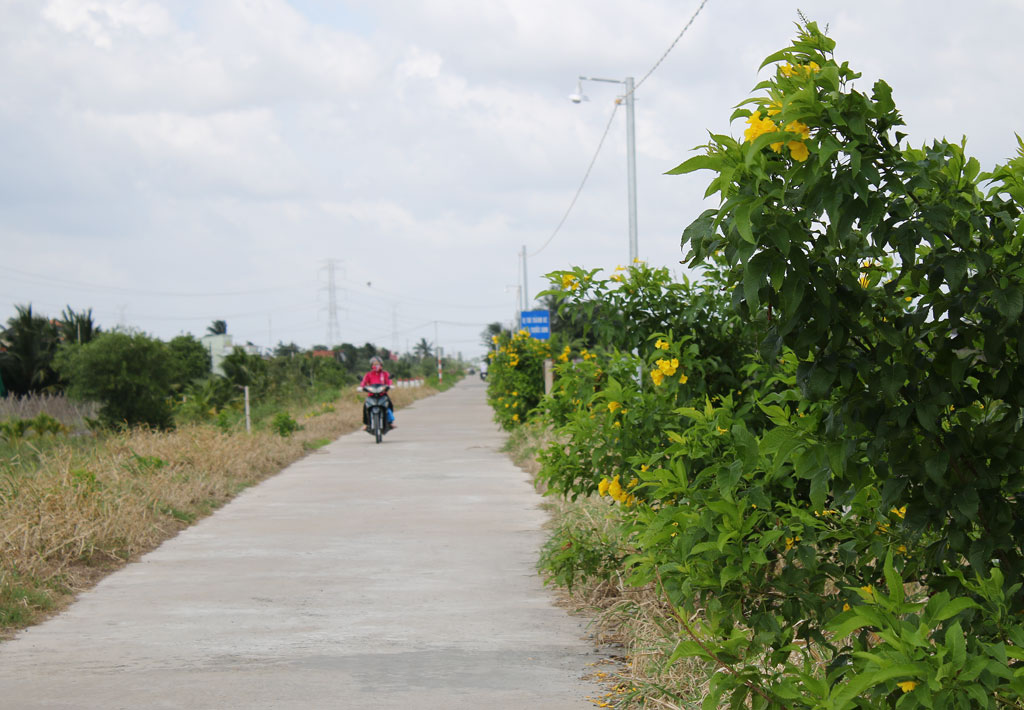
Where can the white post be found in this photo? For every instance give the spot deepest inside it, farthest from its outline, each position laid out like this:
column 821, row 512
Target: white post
column 248, row 422
column 631, row 170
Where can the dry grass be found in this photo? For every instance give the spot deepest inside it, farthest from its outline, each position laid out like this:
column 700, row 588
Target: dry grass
column 73, row 415
column 72, row 509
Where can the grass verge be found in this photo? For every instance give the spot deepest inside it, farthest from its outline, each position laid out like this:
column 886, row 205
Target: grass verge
column 582, row 559
column 73, row 508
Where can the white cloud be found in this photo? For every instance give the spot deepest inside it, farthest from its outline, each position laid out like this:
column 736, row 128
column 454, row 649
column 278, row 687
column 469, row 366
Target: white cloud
column 166, row 145
column 100, row 21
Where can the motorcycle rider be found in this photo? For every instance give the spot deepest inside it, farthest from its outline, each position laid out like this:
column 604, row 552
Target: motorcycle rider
column 378, row 376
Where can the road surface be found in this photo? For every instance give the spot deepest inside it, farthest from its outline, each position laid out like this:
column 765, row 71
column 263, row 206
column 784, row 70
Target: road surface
column 398, row 575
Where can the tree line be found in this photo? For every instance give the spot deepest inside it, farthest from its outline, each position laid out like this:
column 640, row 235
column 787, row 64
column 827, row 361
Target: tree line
column 140, row 379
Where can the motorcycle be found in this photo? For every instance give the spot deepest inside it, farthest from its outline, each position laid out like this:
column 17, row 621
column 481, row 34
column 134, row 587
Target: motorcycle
column 377, row 411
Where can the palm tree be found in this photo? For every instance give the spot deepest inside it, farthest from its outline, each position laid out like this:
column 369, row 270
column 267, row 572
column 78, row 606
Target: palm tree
column 423, row 349
column 218, row 327
column 488, row 333
column 27, row 347
column 77, row 327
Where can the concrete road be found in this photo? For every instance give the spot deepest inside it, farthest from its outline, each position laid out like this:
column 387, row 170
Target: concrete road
column 398, row 575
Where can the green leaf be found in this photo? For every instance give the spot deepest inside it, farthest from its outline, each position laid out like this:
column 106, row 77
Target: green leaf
column 698, row 162
column 700, row 229
column 754, row 277
column 893, row 580
column 819, row 489
column 954, row 607
column 956, row 645
column 741, row 220
column 1010, row 302
column 844, row 694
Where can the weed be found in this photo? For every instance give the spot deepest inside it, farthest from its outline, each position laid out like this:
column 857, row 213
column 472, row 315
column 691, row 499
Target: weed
column 284, row 425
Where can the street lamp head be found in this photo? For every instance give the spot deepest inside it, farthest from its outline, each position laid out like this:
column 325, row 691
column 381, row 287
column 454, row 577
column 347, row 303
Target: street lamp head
column 578, row 95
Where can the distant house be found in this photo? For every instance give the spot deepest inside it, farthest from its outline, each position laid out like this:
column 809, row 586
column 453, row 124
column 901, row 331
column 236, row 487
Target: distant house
column 336, row 354
column 219, row 347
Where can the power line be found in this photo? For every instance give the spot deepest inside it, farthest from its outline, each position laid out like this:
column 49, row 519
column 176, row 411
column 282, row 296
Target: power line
column 582, row 183
column 671, row 46
column 135, row 291
column 608, row 127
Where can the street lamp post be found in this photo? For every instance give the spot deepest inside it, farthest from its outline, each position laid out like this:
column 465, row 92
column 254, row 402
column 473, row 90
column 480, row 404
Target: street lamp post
column 630, row 152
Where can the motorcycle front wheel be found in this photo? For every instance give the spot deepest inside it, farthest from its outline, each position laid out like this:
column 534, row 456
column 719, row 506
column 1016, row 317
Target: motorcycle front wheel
column 376, row 424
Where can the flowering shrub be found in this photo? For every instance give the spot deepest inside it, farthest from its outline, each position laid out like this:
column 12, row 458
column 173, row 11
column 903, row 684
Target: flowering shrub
column 838, row 504
column 516, row 376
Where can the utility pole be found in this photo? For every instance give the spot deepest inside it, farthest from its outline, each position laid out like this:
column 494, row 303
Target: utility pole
column 634, row 252
column 437, row 351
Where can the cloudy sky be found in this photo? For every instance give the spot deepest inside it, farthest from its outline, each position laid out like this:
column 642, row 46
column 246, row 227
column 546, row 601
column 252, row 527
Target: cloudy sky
column 172, row 162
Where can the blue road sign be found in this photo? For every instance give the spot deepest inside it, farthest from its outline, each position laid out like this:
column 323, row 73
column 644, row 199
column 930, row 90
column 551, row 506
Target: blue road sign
column 538, row 323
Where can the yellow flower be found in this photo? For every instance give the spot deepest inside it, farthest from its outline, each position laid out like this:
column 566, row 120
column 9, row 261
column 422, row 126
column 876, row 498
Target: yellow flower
column 721, row 430
column 683, row 379
column 798, row 151
column 846, row 607
column 617, row 425
column 657, row 376
column 643, row 467
column 869, row 590
column 617, row 277
column 494, row 339
column 570, row 282
column 864, row 280
column 668, row 366
column 515, row 417
column 798, row 127
column 800, row 69
column 900, row 512
column 602, row 487
column 758, row 127
column 775, row 108
column 615, row 489
column 790, row 541
column 661, row 344
column 633, row 481
column 612, row 406
column 907, row 685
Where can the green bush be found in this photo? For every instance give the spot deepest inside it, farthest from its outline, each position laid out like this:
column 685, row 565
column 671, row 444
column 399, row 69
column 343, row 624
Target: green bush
column 515, row 378
column 284, row 424
column 129, row 374
column 829, row 478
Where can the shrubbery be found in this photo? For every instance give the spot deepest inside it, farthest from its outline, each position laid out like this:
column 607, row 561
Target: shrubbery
column 516, row 376
column 820, row 463
column 129, row 374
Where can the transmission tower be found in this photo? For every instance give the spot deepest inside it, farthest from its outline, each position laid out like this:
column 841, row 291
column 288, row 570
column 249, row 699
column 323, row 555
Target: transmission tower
column 333, row 329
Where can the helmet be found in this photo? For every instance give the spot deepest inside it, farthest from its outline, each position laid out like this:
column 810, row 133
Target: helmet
column 377, row 360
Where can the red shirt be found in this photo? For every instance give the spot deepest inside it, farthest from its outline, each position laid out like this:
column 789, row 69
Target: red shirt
column 376, row 377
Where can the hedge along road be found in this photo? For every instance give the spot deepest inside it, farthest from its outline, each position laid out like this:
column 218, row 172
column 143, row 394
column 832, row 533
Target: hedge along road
column 398, row 575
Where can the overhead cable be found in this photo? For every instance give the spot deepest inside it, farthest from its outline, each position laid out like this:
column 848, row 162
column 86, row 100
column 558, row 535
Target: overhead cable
column 608, row 127
column 582, row 183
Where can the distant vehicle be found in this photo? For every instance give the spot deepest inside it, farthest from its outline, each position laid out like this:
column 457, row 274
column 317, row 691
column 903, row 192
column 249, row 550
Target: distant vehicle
column 377, row 409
